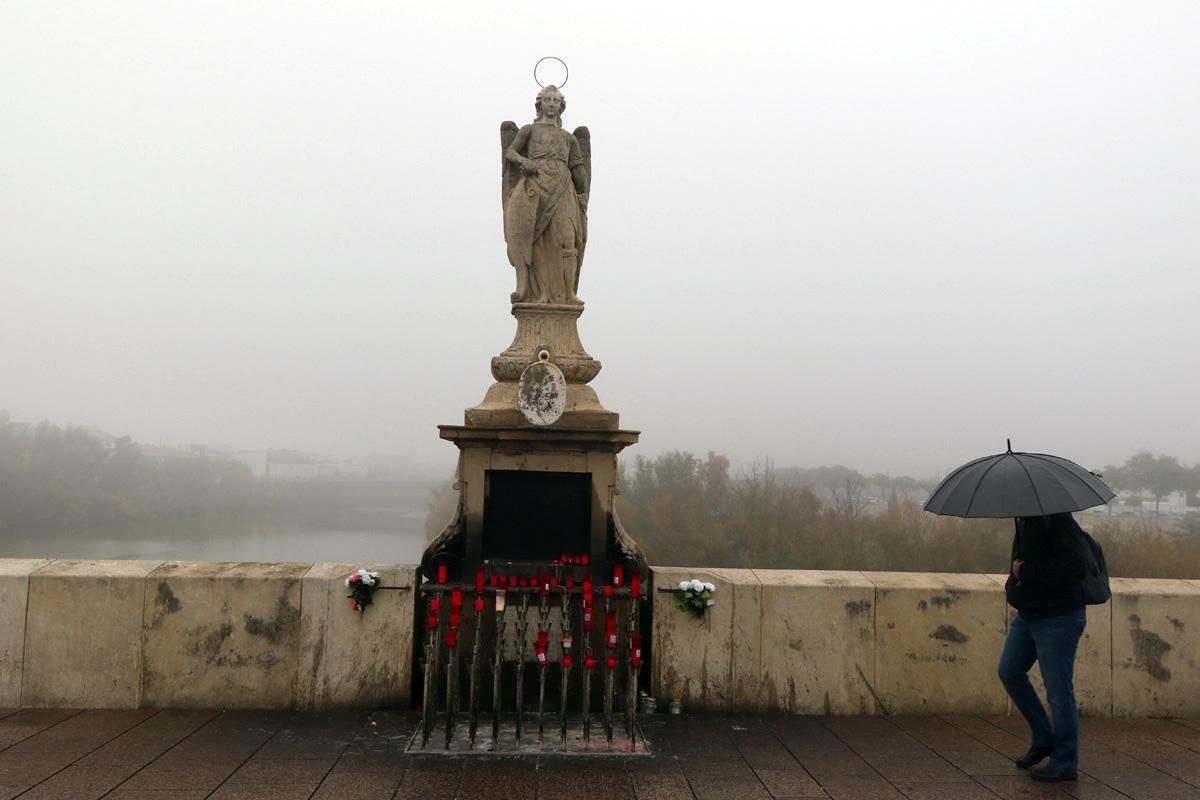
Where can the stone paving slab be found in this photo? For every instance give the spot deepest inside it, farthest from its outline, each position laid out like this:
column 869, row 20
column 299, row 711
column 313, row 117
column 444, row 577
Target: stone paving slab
column 211, row 755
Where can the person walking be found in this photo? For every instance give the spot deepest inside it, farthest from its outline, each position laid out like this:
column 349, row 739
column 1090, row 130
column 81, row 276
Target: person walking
column 1045, row 585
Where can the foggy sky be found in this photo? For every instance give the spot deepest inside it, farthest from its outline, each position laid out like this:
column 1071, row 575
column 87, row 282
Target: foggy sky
column 883, row 234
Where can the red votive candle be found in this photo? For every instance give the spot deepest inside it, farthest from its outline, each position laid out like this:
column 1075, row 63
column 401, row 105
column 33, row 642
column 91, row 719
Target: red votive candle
column 451, row 638
column 584, row 559
column 570, row 582
column 618, row 574
column 478, row 605
column 635, row 584
column 635, row 647
column 612, row 662
column 479, row 580
column 589, row 662
column 567, row 661
column 432, row 621
column 608, row 591
column 456, row 598
column 541, row 657
column 441, row 573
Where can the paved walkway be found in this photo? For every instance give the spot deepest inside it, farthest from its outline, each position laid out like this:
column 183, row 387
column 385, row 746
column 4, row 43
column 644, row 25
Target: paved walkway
column 189, row 755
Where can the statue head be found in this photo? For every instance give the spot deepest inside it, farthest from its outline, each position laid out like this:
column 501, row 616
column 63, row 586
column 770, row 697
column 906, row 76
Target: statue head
column 550, row 105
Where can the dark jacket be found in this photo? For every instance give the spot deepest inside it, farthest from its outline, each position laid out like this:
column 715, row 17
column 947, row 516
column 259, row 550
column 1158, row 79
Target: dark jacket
column 1053, row 552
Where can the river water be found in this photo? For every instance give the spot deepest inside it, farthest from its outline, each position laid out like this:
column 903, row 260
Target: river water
column 356, row 534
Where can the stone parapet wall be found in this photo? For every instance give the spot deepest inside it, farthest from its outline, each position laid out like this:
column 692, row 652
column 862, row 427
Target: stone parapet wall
column 129, row 634
column 178, row 634
column 824, row 642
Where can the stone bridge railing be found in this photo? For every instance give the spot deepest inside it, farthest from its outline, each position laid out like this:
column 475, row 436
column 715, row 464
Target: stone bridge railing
column 814, row 642
column 124, row 634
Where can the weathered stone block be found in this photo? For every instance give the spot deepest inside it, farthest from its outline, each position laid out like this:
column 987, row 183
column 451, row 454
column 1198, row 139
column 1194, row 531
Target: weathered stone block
column 222, row 635
column 83, row 636
column 1155, row 649
column 14, row 600
column 938, row 639
column 352, row 660
column 818, row 642
column 702, row 661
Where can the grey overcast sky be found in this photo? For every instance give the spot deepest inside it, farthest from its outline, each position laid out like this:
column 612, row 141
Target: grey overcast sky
column 883, row 234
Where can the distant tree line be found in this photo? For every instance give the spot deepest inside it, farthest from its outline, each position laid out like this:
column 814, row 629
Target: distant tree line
column 57, row 477
column 689, row 511
column 1158, row 475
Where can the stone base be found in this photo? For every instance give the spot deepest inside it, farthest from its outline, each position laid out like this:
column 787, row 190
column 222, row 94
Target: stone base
column 499, row 410
column 550, row 327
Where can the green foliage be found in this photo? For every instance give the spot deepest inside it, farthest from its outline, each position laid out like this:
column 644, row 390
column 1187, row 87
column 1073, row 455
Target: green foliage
column 690, row 512
column 1159, row 475
column 692, row 601
column 52, row 477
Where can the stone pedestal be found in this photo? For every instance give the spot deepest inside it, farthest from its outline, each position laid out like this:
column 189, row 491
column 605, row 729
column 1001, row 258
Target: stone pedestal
column 588, row 453
column 552, row 328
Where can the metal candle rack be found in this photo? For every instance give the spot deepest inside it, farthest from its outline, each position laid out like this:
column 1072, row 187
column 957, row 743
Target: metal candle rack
column 502, row 603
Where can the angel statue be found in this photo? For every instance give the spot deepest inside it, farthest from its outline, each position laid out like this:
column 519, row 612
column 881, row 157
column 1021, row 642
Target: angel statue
column 547, row 173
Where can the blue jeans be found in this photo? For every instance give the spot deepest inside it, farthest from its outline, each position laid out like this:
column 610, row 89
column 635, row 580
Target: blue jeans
column 1051, row 641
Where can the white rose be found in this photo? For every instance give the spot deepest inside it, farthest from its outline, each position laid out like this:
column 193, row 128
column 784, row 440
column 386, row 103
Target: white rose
column 697, row 586
column 347, row 583
column 708, row 587
column 685, row 585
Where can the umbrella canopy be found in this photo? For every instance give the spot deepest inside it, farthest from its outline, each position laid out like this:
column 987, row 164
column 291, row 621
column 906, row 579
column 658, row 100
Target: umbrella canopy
column 1017, row 485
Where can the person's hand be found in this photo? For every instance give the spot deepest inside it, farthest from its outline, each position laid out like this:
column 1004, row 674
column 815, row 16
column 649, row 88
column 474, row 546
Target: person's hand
column 528, row 167
column 1016, row 568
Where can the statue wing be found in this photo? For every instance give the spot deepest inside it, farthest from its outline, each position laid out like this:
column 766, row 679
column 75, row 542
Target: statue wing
column 509, row 174
column 584, row 137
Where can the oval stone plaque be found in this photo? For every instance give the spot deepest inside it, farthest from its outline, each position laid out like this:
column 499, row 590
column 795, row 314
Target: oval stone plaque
column 542, row 393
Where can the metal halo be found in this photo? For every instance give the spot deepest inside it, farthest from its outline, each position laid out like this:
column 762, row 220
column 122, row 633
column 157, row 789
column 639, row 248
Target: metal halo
column 566, row 71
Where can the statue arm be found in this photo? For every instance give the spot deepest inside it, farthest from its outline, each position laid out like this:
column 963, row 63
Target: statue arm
column 513, row 153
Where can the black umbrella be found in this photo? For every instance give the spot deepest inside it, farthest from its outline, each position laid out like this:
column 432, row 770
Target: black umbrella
column 1017, row 485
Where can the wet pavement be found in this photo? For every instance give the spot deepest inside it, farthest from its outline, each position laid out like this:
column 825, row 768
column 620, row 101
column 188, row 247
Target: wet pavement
column 190, row 755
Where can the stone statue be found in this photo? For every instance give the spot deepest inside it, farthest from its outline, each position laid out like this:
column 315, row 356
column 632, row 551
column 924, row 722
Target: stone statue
column 546, row 179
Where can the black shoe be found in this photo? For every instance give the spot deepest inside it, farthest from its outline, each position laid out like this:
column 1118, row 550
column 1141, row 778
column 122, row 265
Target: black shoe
column 1034, row 755
column 1051, row 775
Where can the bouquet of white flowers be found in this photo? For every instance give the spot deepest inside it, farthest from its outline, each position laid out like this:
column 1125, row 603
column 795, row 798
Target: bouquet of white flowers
column 695, row 596
column 362, row 585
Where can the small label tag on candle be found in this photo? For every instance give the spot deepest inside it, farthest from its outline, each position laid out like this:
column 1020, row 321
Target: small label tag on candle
column 566, row 643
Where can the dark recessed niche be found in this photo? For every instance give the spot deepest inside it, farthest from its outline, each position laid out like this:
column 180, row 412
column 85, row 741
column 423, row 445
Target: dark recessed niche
column 536, row 516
